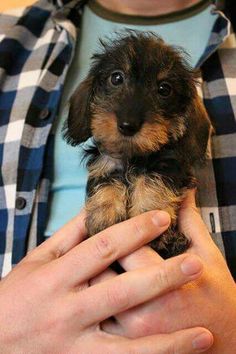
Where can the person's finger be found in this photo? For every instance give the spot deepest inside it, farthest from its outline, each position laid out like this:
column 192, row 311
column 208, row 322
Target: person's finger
column 187, row 341
column 191, row 224
column 106, row 275
column 190, row 199
column 135, row 287
column 95, row 254
column 143, row 257
column 70, row 235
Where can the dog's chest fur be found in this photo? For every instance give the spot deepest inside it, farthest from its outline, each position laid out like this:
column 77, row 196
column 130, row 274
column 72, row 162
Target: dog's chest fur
column 164, row 163
column 120, row 188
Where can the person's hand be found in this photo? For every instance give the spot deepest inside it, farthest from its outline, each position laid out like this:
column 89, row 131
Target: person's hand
column 48, row 307
column 210, row 301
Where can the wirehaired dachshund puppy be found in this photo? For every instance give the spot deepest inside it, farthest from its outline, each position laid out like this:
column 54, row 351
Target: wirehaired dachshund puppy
column 140, row 105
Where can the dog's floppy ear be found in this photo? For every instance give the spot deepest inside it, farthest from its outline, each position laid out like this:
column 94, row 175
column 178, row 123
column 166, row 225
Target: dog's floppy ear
column 77, row 127
column 195, row 141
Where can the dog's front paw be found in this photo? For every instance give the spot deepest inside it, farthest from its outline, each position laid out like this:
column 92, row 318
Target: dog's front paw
column 106, row 207
column 170, row 244
column 101, row 218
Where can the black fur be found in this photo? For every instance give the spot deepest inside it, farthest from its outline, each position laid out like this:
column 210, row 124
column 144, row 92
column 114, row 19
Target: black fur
column 99, row 109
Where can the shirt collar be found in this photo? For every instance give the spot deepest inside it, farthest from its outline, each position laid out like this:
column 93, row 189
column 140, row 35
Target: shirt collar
column 72, row 10
column 80, row 3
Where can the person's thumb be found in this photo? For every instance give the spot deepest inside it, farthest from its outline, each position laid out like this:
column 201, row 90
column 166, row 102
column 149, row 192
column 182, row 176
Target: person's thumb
column 189, row 201
column 191, row 224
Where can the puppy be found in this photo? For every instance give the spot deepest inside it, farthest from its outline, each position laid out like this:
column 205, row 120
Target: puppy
column 140, row 105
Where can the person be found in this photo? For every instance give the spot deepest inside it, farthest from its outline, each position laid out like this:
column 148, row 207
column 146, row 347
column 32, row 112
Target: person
column 62, row 296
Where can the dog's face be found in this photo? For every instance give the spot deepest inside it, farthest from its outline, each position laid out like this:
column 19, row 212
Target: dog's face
column 139, row 96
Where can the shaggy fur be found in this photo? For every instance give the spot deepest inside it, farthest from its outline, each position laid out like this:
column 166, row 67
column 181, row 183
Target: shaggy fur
column 139, row 103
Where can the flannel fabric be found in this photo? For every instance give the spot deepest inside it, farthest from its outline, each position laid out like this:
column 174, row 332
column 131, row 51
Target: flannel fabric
column 36, row 48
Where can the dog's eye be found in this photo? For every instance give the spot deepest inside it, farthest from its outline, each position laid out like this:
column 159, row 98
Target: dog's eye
column 164, row 89
column 117, row 78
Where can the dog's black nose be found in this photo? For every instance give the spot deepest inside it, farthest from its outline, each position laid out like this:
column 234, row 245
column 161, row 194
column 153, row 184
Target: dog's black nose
column 127, row 128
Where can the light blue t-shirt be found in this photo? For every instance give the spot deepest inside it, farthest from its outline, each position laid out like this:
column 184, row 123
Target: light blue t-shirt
column 190, row 31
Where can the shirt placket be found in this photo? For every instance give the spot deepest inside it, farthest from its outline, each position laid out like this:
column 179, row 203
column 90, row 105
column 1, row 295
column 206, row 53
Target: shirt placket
column 207, row 194
column 35, row 138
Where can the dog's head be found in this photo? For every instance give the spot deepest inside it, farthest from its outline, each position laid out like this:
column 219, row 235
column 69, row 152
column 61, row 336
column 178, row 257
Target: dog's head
column 139, row 95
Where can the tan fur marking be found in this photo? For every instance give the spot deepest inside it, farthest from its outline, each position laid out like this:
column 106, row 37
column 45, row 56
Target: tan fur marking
column 150, row 193
column 150, row 137
column 104, row 124
column 178, row 128
column 107, row 206
column 104, row 129
column 199, row 107
column 175, row 126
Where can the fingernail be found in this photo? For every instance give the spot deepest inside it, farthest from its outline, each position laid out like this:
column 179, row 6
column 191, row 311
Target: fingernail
column 191, row 265
column 203, row 341
column 161, row 218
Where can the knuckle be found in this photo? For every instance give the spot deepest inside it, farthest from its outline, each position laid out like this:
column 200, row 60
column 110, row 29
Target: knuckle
column 139, row 229
column 118, row 297
column 195, row 210
column 104, row 248
column 43, row 253
column 54, row 253
column 140, row 326
column 163, row 279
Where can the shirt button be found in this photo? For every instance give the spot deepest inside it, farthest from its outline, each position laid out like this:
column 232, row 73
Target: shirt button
column 44, row 114
column 20, row 203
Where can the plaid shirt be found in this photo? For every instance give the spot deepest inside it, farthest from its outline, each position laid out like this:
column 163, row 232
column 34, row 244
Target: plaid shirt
column 36, row 48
